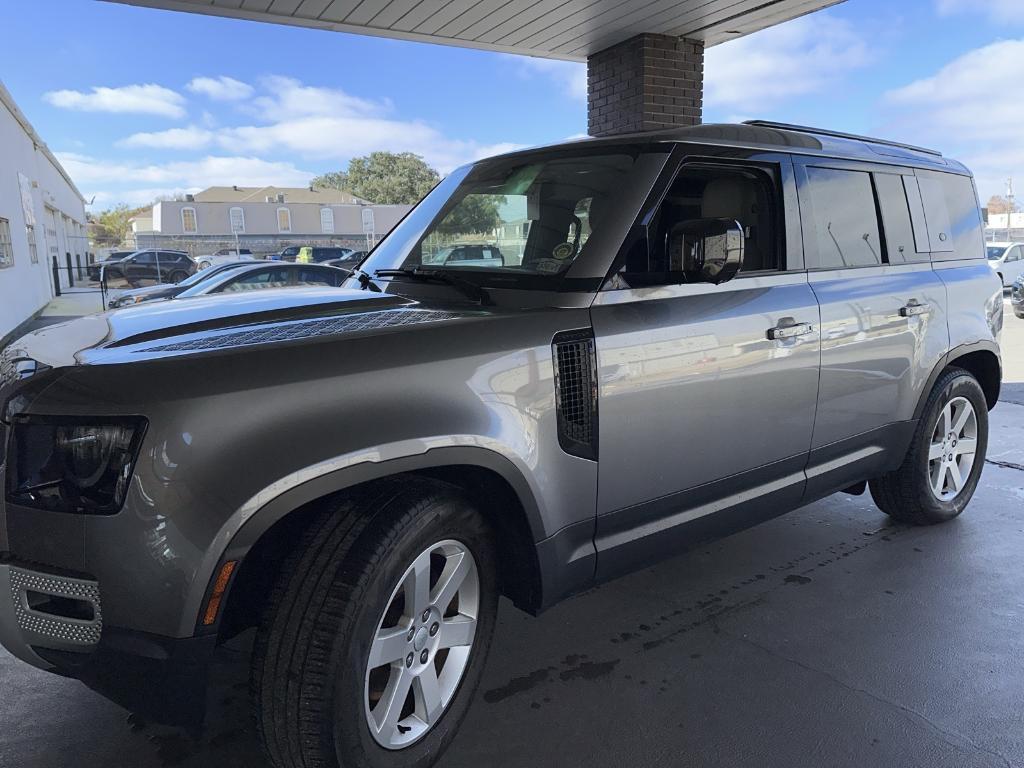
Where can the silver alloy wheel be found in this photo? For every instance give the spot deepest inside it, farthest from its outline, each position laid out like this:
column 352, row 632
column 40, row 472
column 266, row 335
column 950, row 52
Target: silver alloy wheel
column 953, row 447
column 422, row 645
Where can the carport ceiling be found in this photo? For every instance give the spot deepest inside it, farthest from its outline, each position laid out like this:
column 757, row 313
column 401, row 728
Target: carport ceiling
column 554, row 29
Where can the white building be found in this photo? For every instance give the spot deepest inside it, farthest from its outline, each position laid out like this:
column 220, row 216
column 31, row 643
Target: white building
column 996, row 228
column 42, row 218
column 264, row 220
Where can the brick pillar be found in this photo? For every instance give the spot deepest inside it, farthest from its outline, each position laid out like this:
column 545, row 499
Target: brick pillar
column 646, row 83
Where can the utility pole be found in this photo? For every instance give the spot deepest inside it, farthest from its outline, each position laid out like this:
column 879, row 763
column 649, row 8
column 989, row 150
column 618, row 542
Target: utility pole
column 1009, row 210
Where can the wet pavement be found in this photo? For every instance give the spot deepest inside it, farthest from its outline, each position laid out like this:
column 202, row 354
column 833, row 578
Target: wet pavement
column 827, row 637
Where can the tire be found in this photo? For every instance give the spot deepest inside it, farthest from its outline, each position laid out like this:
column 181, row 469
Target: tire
column 177, row 276
column 909, row 494
column 310, row 680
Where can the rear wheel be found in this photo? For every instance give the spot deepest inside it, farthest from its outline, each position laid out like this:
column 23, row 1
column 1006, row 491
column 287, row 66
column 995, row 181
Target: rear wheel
column 177, row 276
column 376, row 636
column 942, row 468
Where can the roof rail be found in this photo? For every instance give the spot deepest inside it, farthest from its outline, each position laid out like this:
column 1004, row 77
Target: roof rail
column 840, row 135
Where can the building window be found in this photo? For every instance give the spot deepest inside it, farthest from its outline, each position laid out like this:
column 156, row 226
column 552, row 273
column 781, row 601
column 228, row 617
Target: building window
column 6, row 247
column 327, row 221
column 189, row 224
column 33, row 253
column 237, row 217
column 284, row 220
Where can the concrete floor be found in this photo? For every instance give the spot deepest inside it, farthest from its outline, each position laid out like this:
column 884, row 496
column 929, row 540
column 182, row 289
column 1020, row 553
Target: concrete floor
column 827, row 637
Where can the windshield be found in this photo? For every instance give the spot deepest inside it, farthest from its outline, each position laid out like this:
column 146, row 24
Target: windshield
column 514, row 222
column 996, row 252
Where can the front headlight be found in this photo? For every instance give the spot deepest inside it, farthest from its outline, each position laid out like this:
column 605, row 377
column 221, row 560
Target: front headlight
column 66, row 464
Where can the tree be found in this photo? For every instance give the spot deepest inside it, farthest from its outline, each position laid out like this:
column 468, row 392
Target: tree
column 999, row 204
column 385, row 178
column 476, row 214
column 111, row 227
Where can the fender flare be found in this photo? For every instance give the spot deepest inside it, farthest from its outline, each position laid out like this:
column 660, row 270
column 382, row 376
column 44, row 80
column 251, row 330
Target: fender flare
column 245, row 527
column 949, row 359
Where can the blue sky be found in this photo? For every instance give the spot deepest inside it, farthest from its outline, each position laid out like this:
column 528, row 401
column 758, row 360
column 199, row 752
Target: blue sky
column 138, row 102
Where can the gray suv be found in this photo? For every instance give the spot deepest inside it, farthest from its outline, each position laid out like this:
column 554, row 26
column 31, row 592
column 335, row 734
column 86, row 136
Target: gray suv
column 688, row 333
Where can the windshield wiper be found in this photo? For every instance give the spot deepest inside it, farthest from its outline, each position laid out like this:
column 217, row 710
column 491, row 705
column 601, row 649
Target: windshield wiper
column 365, row 281
column 467, row 287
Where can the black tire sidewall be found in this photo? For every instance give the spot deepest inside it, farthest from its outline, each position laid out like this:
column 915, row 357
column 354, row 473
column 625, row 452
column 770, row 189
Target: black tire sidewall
column 446, row 517
column 958, row 384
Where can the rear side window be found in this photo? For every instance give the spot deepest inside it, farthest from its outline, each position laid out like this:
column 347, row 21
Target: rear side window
column 845, row 220
column 954, row 217
column 900, row 243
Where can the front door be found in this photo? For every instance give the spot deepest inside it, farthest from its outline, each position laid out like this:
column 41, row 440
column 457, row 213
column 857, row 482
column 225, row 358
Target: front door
column 707, row 392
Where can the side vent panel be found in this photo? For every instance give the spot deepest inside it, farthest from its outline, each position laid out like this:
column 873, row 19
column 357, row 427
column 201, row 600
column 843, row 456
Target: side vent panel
column 575, row 362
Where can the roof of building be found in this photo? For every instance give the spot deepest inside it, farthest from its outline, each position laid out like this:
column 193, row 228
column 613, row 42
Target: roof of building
column 8, row 101
column 260, row 194
column 556, row 29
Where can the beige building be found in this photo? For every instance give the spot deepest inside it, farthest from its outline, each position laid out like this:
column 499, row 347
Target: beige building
column 264, row 220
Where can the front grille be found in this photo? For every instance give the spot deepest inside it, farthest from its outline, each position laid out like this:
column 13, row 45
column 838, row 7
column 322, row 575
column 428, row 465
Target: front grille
column 76, row 620
column 576, row 393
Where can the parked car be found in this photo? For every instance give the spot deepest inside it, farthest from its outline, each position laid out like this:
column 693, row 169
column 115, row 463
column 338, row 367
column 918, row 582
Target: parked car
column 1007, row 259
column 762, row 315
column 93, row 269
column 1017, row 297
column 287, row 253
column 222, row 256
column 163, row 291
column 316, row 254
column 150, row 266
column 469, row 256
column 254, row 277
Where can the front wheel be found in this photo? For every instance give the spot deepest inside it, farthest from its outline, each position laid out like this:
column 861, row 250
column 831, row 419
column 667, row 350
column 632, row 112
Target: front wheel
column 376, row 637
column 942, row 468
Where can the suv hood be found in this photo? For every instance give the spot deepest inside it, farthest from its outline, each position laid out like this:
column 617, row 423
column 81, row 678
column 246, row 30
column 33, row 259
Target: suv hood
column 87, row 338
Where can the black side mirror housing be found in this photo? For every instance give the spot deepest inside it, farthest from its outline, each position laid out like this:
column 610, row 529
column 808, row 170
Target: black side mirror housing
column 706, row 250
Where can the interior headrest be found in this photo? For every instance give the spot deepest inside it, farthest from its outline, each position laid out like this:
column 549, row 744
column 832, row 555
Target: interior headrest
column 728, row 198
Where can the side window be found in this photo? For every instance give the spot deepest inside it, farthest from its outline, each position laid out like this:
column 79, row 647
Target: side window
column 966, row 227
column 146, row 257
column 267, row 278
column 845, row 220
column 900, row 243
column 315, row 277
column 937, row 213
column 1015, row 254
column 745, row 195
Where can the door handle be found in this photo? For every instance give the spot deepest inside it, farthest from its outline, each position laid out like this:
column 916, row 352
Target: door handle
column 914, row 309
column 789, row 331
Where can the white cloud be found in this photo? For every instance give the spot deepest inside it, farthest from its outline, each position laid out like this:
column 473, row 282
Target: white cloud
column 964, row 110
column 148, row 99
column 220, row 88
column 288, row 98
column 297, row 120
column 1001, row 11
column 570, row 76
column 141, row 183
column 190, row 138
column 804, row 56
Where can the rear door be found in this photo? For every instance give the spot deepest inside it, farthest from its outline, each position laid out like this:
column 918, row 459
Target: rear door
column 883, row 314
column 706, row 392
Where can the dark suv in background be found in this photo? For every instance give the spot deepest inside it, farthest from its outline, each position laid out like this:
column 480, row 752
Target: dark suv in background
column 688, row 332
column 149, row 267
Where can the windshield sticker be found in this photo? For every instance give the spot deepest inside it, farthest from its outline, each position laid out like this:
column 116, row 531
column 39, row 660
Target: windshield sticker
column 548, row 266
column 563, row 251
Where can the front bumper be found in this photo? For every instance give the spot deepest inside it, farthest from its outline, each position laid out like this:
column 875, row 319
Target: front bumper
column 45, row 621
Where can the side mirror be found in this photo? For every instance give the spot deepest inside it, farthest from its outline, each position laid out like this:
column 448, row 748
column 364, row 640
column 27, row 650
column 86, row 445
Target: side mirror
column 707, row 250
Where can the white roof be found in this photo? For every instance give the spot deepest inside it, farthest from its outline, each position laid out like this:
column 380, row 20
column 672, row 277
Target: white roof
column 552, row 29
